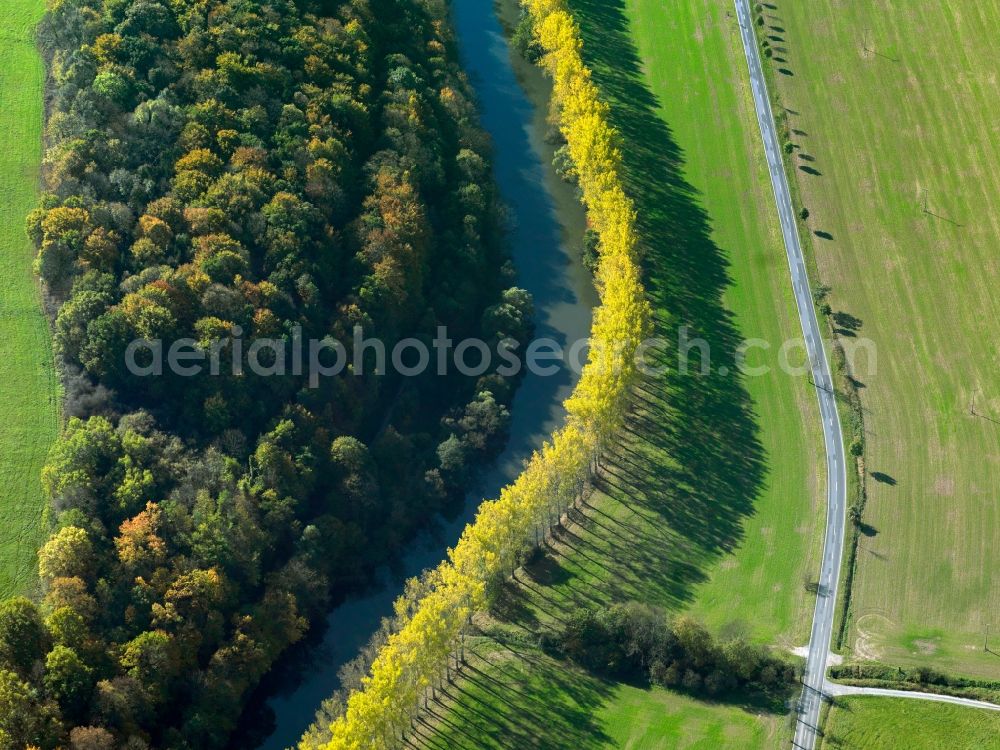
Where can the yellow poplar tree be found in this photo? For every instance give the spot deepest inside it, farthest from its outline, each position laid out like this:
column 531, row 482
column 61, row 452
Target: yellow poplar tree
column 414, row 658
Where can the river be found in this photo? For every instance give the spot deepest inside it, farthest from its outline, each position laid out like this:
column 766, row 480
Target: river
column 547, row 225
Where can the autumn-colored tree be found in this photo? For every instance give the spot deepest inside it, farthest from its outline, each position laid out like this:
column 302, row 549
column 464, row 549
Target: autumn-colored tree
column 91, row 738
column 414, row 657
column 284, row 169
column 70, row 592
column 139, row 546
column 69, row 553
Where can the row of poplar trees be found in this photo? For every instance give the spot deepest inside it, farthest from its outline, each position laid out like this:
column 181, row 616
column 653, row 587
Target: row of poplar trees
column 505, row 528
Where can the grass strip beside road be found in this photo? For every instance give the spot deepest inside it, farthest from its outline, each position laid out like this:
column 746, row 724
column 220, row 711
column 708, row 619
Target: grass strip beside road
column 891, row 723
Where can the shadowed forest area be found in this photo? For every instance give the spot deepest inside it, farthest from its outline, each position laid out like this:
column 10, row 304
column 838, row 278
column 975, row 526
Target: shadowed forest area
column 217, row 173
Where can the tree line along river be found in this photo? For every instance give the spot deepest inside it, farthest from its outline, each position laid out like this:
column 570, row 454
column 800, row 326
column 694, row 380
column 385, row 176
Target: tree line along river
column 546, row 232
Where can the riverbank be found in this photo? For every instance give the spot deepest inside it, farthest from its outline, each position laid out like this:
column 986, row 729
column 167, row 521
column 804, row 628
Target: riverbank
column 709, row 506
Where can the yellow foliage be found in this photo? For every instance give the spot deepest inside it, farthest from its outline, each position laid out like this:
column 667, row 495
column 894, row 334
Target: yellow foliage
column 491, row 546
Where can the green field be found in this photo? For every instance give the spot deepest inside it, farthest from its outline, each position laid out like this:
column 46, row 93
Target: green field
column 29, row 409
column 889, row 724
column 898, row 110
column 519, row 698
column 710, row 503
column 657, row 719
column 695, row 71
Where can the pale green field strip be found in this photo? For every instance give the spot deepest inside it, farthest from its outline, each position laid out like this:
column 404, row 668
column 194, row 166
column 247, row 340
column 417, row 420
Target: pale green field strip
column 29, row 393
column 658, row 719
column 522, row 699
column 899, row 105
column 890, row 724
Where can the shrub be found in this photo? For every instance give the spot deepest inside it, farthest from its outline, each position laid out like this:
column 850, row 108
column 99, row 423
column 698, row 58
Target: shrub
column 634, row 640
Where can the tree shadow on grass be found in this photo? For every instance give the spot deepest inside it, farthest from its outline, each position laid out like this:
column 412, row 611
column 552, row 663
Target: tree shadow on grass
column 515, row 704
column 693, row 456
column 508, row 698
column 881, row 476
column 682, row 479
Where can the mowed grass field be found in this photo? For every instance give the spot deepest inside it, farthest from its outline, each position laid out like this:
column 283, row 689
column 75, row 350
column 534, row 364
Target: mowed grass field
column 29, row 400
column 898, row 106
column 889, row 724
column 710, row 502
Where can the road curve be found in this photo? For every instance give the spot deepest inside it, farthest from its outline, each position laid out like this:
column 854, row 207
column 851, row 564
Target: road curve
column 814, row 679
column 835, row 689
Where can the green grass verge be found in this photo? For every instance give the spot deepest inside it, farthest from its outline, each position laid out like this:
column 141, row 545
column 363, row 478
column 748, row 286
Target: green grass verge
column 895, row 112
column 29, row 408
column 887, row 724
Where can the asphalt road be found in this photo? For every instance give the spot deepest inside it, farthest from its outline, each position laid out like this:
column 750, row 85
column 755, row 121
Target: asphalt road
column 814, row 680
column 815, row 684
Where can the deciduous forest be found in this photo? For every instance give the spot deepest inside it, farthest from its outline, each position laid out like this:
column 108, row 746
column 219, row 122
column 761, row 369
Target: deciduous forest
column 223, row 170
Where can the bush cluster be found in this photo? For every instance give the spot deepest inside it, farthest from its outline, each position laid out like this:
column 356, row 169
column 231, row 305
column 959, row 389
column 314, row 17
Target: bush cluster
column 637, row 642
